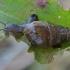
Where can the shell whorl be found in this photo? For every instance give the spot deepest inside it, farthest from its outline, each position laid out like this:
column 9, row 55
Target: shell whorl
column 45, row 34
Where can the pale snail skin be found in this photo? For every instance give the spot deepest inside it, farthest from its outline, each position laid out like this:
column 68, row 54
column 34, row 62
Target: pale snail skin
column 17, row 29
column 21, row 27
column 45, row 34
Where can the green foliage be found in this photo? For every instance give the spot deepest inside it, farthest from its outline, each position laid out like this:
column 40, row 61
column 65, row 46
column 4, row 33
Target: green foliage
column 54, row 13
column 45, row 54
column 17, row 11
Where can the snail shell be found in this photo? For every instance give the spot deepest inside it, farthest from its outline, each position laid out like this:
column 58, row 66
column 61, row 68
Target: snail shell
column 44, row 34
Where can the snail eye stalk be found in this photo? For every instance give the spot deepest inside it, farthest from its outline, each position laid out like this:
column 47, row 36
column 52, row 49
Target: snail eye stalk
column 35, row 17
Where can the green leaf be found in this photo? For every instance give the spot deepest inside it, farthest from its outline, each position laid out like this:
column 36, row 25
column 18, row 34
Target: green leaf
column 45, row 54
column 54, row 12
column 17, row 11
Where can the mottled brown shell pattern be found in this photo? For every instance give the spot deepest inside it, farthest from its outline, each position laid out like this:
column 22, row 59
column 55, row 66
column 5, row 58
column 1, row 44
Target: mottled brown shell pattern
column 45, row 34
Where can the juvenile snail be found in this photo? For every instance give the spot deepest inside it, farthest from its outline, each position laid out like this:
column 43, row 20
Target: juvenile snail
column 40, row 33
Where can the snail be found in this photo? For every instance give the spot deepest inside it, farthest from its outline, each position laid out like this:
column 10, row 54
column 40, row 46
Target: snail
column 40, row 33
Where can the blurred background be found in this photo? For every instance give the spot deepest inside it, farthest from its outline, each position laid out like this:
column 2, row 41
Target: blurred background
column 14, row 56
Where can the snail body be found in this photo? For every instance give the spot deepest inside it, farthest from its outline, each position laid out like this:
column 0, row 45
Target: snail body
column 21, row 27
column 17, row 29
